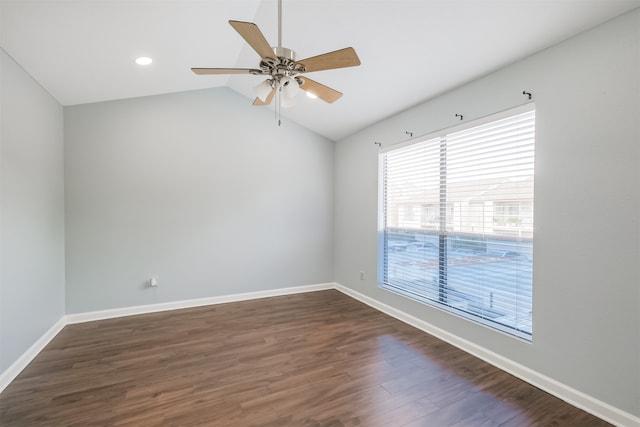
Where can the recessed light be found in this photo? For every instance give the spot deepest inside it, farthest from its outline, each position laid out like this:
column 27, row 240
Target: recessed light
column 143, row 60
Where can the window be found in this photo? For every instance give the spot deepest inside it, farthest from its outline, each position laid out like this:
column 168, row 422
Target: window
column 467, row 245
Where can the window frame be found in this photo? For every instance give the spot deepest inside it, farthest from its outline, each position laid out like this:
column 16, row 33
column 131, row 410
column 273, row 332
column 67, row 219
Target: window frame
column 442, row 229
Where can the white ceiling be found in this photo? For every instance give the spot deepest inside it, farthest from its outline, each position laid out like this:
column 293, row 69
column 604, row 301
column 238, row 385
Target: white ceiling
column 82, row 51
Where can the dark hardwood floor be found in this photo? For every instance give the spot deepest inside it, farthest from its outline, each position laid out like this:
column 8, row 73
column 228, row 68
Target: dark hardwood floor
column 319, row 359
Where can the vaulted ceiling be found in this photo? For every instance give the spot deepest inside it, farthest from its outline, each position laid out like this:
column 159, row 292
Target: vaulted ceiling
column 83, row 51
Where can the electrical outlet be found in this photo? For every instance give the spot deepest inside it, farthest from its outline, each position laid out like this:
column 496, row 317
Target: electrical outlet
column 153, row 282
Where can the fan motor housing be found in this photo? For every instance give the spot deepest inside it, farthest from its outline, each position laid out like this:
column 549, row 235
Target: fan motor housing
column 283, row 52
column 284, row 64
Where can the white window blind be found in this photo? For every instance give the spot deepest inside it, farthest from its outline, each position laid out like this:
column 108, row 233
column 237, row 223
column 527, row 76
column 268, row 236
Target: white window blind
column 457, row 220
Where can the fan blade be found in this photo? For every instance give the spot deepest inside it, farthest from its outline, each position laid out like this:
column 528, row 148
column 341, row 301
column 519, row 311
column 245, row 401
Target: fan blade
column 258, row 102
column 252, row 35
column 342, row 58
column 321, row 91
column 225, row 71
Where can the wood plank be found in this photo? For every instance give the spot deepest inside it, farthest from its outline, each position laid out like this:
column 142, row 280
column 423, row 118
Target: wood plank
column 315, row 360
column 341, row 58
column 252, row 35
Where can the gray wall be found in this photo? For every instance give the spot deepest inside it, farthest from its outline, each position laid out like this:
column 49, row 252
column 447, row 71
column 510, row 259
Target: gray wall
column 587, row 208
column 200, row 189
column 207, row 194
column 31, row 212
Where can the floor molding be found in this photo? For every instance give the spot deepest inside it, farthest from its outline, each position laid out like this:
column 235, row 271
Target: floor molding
column 575, row 397
column 199, row 302
column 16, row 367
column 14, row 370
column 570, row 395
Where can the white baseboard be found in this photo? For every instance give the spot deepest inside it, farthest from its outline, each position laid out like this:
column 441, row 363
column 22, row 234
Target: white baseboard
column 16, row 367
column 14, row 370
column 570, row 395
column 575, row 397
column 175, row 305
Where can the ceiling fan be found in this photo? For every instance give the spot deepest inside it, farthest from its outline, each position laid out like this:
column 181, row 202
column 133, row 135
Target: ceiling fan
column 282, row 69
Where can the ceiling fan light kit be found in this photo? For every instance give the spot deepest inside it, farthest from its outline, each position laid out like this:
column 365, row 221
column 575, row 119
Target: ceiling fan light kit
column 263, row 89
column 282, row 70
